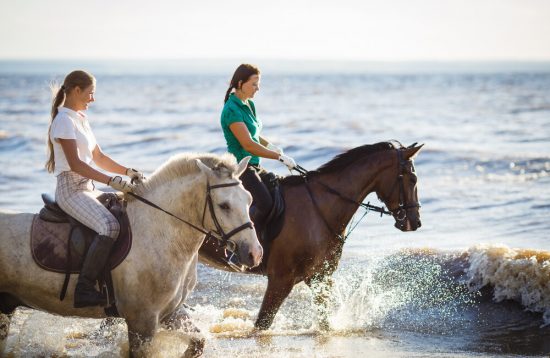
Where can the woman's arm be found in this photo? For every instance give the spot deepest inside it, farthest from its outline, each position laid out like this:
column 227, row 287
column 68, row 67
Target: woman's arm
column 266, row 143
column 105, row 162
column 77, row 165
column 242, row 134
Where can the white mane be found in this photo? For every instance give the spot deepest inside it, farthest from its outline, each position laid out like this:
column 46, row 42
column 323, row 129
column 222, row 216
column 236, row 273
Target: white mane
column 184, row 164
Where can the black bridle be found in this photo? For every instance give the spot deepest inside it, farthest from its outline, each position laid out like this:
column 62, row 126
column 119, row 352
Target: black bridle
column 400, row 212
column 222, row 238
column 218, row 234
column 396, row 212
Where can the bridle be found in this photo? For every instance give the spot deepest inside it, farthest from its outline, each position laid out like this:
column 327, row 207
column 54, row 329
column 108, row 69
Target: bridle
column 400, row 212
column 223, row 238
column 218, row 234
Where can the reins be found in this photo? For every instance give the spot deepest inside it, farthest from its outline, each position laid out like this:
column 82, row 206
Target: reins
column 367, row 206
column 224, row 238
column 399, row 213
column 145, row 201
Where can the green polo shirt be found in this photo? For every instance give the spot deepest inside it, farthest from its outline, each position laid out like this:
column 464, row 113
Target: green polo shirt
column 235, row 110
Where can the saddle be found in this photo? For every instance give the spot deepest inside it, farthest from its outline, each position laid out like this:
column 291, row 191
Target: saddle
column 59, row 243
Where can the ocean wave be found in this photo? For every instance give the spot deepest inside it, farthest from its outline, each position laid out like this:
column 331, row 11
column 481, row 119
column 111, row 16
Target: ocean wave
column 436, row 292
column 521, row 275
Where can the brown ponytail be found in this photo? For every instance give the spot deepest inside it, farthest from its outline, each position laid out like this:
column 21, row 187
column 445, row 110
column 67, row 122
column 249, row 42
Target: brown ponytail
column 242, row 73
column 81, row 79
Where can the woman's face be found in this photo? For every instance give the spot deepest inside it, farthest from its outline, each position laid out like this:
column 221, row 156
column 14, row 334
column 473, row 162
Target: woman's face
column 83, row 97
column 250, row 87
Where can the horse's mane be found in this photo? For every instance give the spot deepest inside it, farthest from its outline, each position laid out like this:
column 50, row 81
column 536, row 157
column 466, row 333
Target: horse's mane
column 184, row 164
column 343, row 160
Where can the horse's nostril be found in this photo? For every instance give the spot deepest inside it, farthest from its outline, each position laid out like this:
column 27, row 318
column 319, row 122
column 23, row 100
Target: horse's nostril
column 419, row 224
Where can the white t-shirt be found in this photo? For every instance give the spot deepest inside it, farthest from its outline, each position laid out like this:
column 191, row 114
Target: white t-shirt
column 69, row 124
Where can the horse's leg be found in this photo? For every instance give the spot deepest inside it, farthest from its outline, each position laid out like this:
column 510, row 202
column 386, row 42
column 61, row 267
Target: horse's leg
column 4, row 329
column 181, row 321
column 8, row 304
column 140, row 334
column 107, row 323
column 278, row 289
column 321, row 288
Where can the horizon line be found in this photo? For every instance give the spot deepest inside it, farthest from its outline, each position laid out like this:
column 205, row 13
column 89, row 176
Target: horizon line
column 269, row 65
column 287, row 59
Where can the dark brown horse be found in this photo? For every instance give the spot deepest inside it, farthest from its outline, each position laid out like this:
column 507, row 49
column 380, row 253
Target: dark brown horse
column 319, row 206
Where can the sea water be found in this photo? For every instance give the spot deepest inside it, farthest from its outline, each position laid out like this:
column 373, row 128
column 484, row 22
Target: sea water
column 484, row 176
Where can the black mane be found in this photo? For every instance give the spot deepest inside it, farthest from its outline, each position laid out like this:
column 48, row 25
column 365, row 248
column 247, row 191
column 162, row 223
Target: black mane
column 343, row 160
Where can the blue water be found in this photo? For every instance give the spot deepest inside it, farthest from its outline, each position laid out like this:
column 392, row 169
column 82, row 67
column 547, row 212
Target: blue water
column 484, row 172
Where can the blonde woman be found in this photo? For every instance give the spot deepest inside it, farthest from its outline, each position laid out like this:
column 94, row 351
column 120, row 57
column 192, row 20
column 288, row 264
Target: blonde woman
column 72, row 148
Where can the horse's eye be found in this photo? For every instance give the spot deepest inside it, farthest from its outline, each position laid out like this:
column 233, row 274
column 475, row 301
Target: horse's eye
column 224, row 206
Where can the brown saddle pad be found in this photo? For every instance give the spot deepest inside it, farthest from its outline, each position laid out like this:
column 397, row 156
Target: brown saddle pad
column 50, row 245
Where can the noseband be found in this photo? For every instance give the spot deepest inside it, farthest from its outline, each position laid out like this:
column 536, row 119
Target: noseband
column 400, row 212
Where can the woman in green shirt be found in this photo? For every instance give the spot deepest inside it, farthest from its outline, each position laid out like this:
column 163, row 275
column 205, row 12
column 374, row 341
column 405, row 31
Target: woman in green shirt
column 241, row 129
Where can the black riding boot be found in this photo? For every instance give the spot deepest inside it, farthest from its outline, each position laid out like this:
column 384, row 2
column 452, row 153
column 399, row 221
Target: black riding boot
column 85, row 293
column 258, row 219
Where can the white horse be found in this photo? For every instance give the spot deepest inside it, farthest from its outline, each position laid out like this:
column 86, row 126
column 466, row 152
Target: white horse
column 154, row 280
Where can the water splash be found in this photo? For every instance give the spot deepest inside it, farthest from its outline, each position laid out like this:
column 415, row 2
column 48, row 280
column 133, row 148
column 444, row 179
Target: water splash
column 407, row 290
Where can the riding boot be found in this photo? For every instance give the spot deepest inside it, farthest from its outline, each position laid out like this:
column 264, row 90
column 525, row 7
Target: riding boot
column 257, row 218
column 85, row 293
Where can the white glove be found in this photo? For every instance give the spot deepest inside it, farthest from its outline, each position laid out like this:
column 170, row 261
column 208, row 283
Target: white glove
column 121, row 185
column 274, row 148
column 288, row 161
column 134, row 175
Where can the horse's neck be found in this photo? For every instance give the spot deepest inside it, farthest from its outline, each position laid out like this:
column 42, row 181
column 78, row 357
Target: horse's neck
column 155, row 230
column 354, row 182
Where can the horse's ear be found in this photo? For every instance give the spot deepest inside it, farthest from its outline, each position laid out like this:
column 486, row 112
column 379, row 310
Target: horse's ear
column 242, row 166
column 412, row 151
column 203, row 167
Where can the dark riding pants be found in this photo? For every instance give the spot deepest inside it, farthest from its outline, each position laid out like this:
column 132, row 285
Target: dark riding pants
column 261, row 198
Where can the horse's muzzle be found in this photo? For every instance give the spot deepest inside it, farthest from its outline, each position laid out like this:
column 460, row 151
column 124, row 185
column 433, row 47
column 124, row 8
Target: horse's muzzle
column 245, row 256
column 407, row 219
column 408, row 225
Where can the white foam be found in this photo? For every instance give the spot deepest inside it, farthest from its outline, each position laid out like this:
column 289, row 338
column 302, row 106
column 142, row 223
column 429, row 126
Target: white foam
column 519, row 275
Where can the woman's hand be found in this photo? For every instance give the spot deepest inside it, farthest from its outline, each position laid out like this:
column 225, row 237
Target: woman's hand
column 119, row 184
column 288, row 161
column 135, row 176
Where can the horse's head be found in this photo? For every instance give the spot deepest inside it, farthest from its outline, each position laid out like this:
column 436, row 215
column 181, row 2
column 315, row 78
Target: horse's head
column 397, row 189
column 226, row 212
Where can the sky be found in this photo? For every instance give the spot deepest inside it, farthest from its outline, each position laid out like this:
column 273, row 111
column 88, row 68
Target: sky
column 356, row 30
